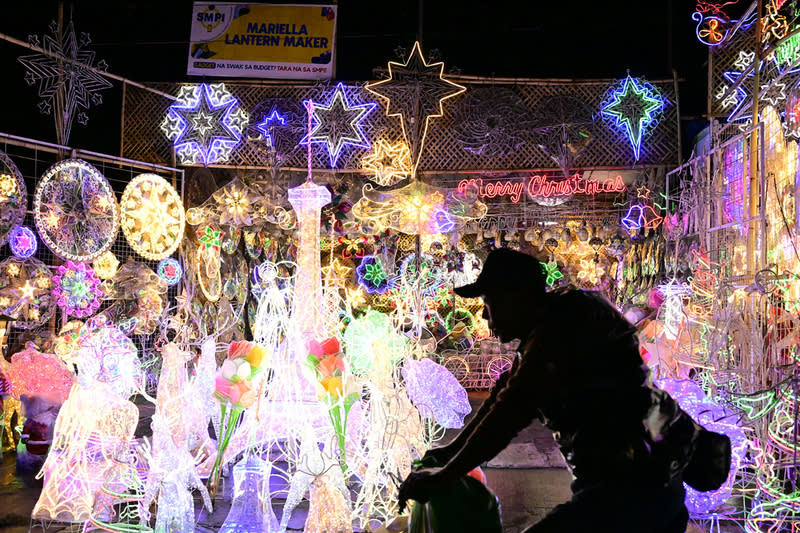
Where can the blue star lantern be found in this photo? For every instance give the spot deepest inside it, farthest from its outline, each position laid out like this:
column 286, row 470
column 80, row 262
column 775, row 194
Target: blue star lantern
column 266, row 126
column 338, row 124
column 634, row 105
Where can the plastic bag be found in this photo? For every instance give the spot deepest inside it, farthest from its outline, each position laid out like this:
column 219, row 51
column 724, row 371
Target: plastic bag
column 466, row 505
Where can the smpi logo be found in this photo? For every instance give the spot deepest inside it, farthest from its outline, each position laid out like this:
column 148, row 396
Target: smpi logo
column 210, row 18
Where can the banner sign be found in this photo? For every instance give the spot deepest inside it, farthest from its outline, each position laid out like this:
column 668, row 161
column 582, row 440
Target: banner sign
column 262, row 40
column 539, row 186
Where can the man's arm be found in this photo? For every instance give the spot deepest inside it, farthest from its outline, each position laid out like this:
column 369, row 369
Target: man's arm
column 446, row 452
column 510, row 412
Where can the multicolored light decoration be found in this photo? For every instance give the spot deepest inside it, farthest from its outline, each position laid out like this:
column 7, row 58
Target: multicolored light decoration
column 22, row 242
column 372, row 275
column 75, row 210
column 170, row 271
column 388, row 163
column 210, row 238
column 25, row 287
column 415, row 91
column 633, row 105
column 205, row 124
column 641, row 216
column 13, row 197
column 151, row 216
column 76, row 289
column 338, row 124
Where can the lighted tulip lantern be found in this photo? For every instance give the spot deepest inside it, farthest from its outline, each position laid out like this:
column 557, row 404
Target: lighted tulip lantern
column 235, row 388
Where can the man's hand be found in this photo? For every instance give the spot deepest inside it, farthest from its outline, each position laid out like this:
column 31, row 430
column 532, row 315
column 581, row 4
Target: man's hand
column 441, row 454
column 420, row 485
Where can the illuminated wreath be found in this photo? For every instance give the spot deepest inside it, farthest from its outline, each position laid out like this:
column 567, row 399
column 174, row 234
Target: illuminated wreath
column 13, row 197
column 25, row 292
column 151, row 216
column 76, row 289
column 75, row 210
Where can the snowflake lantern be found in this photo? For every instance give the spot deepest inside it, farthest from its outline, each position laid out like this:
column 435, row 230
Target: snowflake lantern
column 151, row 216
column 76, row 289
column 205, row 124
column 25, row 287
column 75, row 210
column 13, row 197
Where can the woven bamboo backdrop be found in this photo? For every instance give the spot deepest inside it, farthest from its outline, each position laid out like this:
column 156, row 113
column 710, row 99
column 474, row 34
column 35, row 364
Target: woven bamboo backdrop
column 445, row 147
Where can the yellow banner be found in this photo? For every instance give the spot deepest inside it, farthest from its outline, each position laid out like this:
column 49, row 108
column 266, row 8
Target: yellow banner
column 262, row 41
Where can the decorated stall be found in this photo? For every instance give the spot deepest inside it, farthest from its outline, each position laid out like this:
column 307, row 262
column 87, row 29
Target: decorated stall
column 270, row 268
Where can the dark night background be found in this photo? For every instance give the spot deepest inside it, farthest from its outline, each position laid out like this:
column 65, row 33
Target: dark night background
column 148, row 41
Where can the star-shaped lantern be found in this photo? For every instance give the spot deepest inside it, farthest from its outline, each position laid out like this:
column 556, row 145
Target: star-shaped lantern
column 372, row 276
column 633, row 104
column 414, row 92
column 388, row 163
column 210, row 238
column 338, row 123
column 266, row 126
column 205, row 124
column 336, row 273
column 66, row 77
column 551, row 272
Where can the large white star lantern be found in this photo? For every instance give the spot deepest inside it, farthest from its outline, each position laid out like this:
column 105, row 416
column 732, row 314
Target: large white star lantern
column 205, row 124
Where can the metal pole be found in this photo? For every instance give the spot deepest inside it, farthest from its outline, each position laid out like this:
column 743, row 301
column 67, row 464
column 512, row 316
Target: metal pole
column 754, row 159
column 419, row 21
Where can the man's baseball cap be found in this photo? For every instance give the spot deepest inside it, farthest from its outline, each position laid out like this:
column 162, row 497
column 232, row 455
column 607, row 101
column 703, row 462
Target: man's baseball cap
column 505, row 269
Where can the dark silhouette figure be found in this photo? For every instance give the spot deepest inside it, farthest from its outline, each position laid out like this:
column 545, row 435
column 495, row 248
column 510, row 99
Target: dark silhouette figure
column 581, row 374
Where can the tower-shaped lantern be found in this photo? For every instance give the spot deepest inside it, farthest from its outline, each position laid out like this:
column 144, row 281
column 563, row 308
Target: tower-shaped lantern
column 307, row 201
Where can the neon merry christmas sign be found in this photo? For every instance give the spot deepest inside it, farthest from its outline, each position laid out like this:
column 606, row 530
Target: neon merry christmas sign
column 538, row 186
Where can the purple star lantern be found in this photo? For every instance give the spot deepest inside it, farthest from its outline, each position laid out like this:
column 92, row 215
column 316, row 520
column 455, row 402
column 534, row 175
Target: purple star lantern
column 22, row 242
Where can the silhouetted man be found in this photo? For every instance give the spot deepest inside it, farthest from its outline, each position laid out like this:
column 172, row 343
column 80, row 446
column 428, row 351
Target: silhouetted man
column 580, row 372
